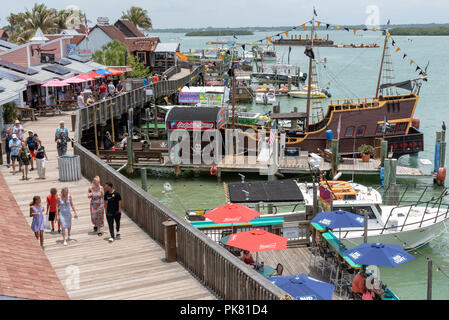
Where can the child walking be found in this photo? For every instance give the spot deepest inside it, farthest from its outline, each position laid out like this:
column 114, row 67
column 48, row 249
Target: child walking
column 52, row 198
column 38, row 224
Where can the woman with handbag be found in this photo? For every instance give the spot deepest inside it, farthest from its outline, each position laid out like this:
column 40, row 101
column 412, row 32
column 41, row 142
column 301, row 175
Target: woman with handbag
column 41, row 157
column 24, row 160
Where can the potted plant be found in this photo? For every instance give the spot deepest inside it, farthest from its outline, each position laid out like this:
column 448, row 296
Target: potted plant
column 366, row 151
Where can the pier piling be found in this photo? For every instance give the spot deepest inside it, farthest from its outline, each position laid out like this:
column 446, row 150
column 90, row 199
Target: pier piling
column 143, row 177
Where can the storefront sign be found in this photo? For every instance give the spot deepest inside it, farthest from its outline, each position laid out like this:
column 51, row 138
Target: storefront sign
column 190, row 125
column 189, row 97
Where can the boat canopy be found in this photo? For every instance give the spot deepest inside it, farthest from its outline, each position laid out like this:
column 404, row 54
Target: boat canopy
column 264, row 191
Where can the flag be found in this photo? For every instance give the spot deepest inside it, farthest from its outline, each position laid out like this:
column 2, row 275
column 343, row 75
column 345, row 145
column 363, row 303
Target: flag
column 286, row 34
column 318, row 23
column 304, row 26
column 86, row 27
column 393, row 43
column 269, row 39
column 411, row 62
column 355, row 31
column 273, row 134
column 404, row 56
column 388, row 35
column 398, row 49
column 327, row 26
column 166, row 99
column 417, row 68
column 234, row 36
column 347, row 29
column 339, row 127
column 314, row 12
column 309, row 52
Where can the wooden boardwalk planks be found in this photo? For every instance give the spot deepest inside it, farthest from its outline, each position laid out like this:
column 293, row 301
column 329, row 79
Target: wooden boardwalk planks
column 132, row 267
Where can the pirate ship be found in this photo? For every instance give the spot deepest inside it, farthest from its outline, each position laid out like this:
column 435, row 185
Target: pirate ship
column 356, row 122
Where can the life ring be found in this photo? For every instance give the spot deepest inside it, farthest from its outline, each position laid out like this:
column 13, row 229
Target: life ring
column 441, row 174
column 213, row 171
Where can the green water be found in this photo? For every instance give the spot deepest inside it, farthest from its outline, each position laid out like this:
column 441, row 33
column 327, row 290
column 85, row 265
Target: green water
column 356, row 72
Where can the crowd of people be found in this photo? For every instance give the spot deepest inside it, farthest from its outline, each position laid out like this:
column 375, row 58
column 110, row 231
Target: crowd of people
column 103, row 91
column 104, row 201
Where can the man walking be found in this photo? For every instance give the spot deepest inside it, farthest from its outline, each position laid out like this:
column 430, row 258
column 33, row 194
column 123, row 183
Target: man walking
column 7, row 136
column 14, row 145
column 113, row 209
column 18, row 130
column 31, row 143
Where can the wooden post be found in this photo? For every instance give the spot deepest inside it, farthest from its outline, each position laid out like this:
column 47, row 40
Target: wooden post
column 384, row 152
column 365, row 229
column 335, row 155
column 96, row 133
column 219, row 175
column 156, row 128
column 1, row 153
column 130, row 154
column 170, row 240
column 429, row 279
column 289, row 83
column 112, row 122
column 143, row 177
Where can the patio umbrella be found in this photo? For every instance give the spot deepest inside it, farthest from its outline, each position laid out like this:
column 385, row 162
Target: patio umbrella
column 95, row 75
column 115, row 72
column 103, row 72
column 379, row 254
column 74, row 80
column 55, row 83
column 85, row 76
column 303, row 287
column 232, row 213
column 256, row 240
column 339, row 219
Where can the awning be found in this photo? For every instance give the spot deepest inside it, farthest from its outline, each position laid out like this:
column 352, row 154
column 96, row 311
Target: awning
column 264, row 191
column 103, row 72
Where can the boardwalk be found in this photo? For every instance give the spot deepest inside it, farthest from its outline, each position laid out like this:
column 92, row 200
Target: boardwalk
column 180, row 75
column 130, row 268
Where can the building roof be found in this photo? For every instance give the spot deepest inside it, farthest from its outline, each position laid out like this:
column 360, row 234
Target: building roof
column 132, row 29
column 39, row 78
column 7, row 45
column 167, row 47
column 25, row 271
column 10, row 90
column 112, row 31
column 39, row 36
column 265, row 191
column 142, row 44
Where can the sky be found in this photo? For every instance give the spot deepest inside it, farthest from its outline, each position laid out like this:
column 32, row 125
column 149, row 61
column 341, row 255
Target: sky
column 243, row 13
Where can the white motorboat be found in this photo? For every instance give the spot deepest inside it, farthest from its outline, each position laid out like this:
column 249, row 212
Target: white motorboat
column 265, row 98
column 409, row 226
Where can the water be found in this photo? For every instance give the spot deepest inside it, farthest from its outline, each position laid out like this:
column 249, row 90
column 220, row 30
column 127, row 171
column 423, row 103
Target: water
column 356, row 71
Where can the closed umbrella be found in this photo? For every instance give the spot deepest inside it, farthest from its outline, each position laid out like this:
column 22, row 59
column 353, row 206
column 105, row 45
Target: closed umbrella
column 379, row 254
column 232, row 213
column 303, row 287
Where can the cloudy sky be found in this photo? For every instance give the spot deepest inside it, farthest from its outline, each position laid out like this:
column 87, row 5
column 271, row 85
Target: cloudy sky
column 241, row 13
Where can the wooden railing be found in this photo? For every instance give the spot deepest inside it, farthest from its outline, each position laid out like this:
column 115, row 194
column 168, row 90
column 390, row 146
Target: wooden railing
column 213, row 266
column 131, row 99
column 171, row 71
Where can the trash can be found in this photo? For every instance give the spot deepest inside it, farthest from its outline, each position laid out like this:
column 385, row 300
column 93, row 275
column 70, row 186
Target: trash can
column 170, row 240
column 73, row 117
column 69, row 168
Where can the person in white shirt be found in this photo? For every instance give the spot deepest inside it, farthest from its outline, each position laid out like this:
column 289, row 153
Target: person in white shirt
column 124, row 143
column 80, row 99
column 18, row 130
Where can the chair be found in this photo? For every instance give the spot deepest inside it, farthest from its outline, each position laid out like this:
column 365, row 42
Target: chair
column 279, row 269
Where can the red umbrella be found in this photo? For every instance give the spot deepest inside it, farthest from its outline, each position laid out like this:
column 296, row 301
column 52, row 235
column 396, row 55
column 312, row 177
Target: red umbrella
column 55, row 83
column 85, row 76
column 257, row 240
column 232, row 213
column 95, row 75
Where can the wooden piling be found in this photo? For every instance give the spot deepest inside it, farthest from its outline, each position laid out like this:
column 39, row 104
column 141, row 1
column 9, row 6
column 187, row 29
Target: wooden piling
column 384, row 152
column 335, row 156
column 129, row 148
column 156, row 128
column 143, row 178
column 429, row 279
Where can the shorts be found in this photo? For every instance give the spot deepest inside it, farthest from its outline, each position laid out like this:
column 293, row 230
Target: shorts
column 15, row 158
column 33, row 154
column 51, row 216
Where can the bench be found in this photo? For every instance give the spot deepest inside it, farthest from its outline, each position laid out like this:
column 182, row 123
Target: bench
column 25, row 112
column 46, row 108
column 110, row 155
column 150, row 156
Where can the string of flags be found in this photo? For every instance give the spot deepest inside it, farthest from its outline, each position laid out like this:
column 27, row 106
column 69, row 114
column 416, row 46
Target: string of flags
column 422, row 72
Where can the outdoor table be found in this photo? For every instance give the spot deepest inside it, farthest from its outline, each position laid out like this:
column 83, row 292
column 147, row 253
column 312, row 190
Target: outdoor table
column 390, row 293
column 335, row 243
column 266, row 272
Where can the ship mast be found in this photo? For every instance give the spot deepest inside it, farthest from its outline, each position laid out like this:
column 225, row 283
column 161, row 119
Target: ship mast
column 382, row 63
column 309, row 84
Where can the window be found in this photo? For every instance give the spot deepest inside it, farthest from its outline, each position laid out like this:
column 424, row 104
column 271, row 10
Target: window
column 349, row 131
column 400, row 127
column 361, row 131
column 142, row 57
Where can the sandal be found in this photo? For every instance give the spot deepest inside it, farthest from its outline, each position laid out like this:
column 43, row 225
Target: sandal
column 100, row 234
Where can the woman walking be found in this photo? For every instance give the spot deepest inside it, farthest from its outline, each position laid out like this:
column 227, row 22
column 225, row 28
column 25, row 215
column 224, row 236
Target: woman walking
column 64, row 215
column 41, row 157
column 96, row 195
column 24, row 160
column 38, row 224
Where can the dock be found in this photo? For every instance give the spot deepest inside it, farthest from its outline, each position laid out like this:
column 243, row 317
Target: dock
column 133, row 267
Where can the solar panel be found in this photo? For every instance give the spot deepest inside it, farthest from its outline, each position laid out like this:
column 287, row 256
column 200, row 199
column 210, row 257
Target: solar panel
column 15, row 67
column 60, row 70
column 11, row 77
column 78, row 58
column 62, row 62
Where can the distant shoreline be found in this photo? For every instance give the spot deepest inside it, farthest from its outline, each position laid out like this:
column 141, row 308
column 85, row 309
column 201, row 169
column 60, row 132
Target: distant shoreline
column 218, row 33
column 437, row 31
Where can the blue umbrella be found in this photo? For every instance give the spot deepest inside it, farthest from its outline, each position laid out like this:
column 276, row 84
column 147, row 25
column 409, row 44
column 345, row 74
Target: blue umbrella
column 379, row 254
column 339, row 219
column 103, row 72
column 303, row 287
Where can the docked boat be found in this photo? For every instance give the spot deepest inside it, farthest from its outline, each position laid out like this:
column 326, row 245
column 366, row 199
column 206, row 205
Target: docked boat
column 314, row 94
column 265, row 98
column 299, row 41
column 410, row 225
column 281, row 73
column 266, row 54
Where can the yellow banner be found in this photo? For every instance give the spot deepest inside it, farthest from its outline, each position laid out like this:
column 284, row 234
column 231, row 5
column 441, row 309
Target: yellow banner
column 398, row 49
column 166, row 99
column 181, row 56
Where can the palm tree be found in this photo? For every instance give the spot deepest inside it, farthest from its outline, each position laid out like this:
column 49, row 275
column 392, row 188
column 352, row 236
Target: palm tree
column 138, row 17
